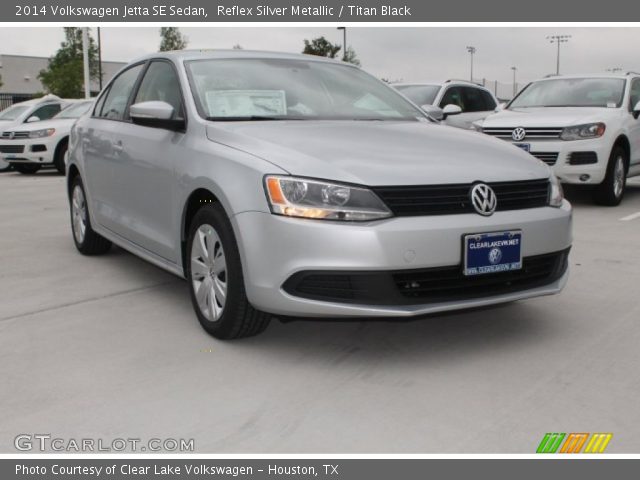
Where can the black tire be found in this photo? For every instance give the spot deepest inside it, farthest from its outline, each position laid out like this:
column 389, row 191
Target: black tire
column 26, row 168
column 609, row 192
column 58, row 160
column 237, row 318
column 90, row 243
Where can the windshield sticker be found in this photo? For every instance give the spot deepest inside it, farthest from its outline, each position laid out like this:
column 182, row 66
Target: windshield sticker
column 246, row 103
column 612, row 105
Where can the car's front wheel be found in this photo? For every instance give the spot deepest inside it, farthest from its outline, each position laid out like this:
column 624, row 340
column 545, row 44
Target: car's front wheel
column 58, row 161
column 87, row 241
column 26, row 168
column 216, row 283
column 4, row 166
column 611, row 190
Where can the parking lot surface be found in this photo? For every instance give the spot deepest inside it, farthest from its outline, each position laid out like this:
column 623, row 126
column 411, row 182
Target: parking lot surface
column 109, row 347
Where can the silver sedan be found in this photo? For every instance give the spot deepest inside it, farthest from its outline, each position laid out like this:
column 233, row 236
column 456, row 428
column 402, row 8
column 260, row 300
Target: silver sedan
column 296, row 186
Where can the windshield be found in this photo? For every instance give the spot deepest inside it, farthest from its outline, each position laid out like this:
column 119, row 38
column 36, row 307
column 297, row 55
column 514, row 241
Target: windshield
column 419, row 94
column 75, row 110
column 12, row 113
column 283, row 89
column 572, row 92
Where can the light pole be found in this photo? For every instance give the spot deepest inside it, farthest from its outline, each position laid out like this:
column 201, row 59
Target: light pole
column 558, row 39
column 471, row 50
column 99, row 60
column 515, row 85
column 344, row 43
column 85, row 61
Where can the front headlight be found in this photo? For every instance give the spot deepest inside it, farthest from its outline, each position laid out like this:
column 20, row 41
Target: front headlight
column 47, row 132
column 556, row 194
column 305, row 198
column 580, row 132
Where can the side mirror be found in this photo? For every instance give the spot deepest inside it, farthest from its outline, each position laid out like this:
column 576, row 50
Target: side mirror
column 451, row 109
column 155, row 114
column 434, row 112
column 33, row 119
column 500, row 107
column 636, row 111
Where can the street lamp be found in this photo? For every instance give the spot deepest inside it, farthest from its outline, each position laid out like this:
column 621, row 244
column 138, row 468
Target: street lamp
column 344, row 43
column 471, row 50
column 558, row 39
column 515, row 85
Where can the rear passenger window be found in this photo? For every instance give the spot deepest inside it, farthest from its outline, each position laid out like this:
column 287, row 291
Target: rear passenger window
column 115, row 104
column 160, row 83
column 46, row 111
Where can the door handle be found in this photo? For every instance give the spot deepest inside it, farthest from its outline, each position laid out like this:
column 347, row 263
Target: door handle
column 118, row 147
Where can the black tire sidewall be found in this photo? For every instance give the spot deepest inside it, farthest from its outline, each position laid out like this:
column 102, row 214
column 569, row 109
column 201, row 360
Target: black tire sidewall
column 58, row 161
column 215, row 216
column 605, row 194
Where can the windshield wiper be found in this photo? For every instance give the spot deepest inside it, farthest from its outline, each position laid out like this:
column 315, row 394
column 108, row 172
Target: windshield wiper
column 251, row 118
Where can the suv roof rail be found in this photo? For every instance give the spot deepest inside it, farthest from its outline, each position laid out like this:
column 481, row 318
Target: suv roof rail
column 550, row 75
column 463, row 81
column 631, row 72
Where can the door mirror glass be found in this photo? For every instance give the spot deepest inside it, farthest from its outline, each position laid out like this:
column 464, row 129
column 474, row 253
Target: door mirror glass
column 156, row 114
column 433, row 111
column 32, row 119
column 451, row 110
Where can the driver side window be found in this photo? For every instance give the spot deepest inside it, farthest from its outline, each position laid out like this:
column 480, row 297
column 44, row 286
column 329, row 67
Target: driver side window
column 453, row 96
column 635, row 93
column 46, row 111
column 160, row 83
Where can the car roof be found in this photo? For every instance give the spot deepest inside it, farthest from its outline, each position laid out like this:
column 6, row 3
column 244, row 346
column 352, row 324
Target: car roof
column 622, row 76
column 439, row 83
column 203, row 54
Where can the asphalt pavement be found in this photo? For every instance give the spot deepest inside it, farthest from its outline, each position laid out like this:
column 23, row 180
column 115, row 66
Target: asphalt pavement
column 108, row 347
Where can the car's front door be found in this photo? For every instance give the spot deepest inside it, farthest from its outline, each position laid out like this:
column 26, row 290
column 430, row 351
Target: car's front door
column 101, row 155
column 634, row 125
column 145, row 167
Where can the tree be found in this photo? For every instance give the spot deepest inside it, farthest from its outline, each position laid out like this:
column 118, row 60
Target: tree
column 64, row 75
column 321, row 47
column 172, row 39
column 351, row 57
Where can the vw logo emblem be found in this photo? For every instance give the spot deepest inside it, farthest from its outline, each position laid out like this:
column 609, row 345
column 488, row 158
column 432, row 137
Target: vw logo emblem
column 483, row 199
column 495, row 255
column 11, row 135
column 519, row 134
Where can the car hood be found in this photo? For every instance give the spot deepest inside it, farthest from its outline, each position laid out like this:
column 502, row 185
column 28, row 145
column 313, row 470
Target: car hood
column 548, row 117
column 379, row 153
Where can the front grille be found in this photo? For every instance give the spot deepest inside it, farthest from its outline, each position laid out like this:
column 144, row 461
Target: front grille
column 583, row 158
column 406, row 201
column 531, row 132
column 550, row 158
column 11, row 148
column 424, row 286
column 16, row 135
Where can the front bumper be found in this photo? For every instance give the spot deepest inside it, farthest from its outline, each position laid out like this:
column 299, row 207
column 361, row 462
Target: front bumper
column 274, row 248
column 26, row 151
column 582, row 174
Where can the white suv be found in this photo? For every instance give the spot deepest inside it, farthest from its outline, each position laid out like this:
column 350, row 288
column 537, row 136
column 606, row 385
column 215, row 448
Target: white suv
column 471, row 102
column 22, row 113
column 585, row 127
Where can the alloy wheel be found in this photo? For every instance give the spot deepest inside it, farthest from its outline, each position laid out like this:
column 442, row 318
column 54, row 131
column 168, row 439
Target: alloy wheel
column 79, row 214
column 209, row 272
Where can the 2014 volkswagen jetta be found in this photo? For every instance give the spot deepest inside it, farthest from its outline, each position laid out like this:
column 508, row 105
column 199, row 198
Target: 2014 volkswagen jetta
column 298, row 186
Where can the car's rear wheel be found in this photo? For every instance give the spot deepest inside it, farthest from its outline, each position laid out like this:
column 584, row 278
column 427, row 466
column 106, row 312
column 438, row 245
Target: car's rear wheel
column 87, row 241
column 58, row 161
column 26, row 168
column 216, row 283
column 611, row 191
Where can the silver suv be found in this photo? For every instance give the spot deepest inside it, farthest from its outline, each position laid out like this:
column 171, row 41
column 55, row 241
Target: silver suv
column 297, row 186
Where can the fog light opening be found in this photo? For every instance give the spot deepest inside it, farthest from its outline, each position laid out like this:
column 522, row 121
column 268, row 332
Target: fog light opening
column 584, row 177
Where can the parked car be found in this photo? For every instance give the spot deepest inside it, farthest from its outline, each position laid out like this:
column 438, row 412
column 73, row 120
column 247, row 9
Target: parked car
column 585, row 126
column 24, row 112
column 299, row 186
column 44, row 142
column 456, row 102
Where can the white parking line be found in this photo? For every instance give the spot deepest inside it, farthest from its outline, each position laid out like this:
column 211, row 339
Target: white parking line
column 633, row 216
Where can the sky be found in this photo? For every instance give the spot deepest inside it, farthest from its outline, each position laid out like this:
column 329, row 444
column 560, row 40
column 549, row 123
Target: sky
column 398, row 54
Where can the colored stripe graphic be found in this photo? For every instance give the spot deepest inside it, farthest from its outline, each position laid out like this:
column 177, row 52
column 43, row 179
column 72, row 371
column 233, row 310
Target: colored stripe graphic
column 598, row 443
column 550, row 442
column 574, row 443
